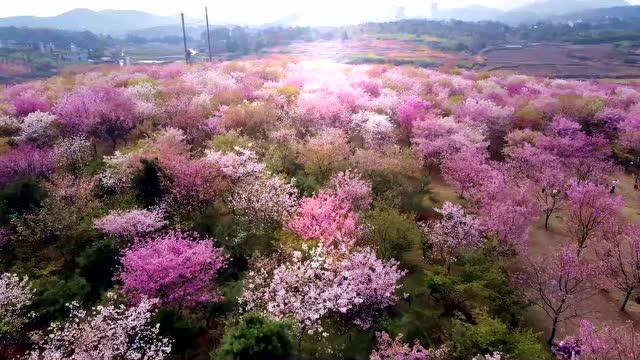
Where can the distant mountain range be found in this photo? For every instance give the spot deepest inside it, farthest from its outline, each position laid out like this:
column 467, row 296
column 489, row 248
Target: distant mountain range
column 537, row 11
column 118, row 23
column 107, row 22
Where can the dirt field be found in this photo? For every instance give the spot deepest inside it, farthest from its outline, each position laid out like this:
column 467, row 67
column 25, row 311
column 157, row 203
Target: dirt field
column 600, row 61
column 603, row 306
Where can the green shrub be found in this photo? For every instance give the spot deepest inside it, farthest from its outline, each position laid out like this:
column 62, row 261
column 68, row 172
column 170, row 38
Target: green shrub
column 19, row 198
column 255, row 337
column 489, row 335
column 394, row 235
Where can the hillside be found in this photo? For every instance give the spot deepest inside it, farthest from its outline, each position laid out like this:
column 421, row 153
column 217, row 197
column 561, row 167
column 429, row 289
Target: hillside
column 109, row 22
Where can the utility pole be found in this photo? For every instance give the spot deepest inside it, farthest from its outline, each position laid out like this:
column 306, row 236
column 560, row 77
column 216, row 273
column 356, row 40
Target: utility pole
column 206, row 14
column 187, row 56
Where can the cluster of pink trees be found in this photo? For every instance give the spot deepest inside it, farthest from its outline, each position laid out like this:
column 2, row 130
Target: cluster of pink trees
column 515, row 148
column 327, row 218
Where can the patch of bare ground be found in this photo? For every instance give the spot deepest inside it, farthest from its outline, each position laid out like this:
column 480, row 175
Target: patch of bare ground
column 604, row 305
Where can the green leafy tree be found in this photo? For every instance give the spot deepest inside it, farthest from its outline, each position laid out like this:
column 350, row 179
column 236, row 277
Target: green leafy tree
column 490, row 335
column 394, row 235
column 255, row 337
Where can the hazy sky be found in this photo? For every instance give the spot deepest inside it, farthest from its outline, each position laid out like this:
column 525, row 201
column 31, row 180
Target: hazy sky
column 245, row 11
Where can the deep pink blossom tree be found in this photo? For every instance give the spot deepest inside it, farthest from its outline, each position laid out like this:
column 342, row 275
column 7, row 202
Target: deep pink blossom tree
column 178, row 268
column 328, row 218
column 591, row 209
column 28, row 103
column 584, row 157
column 454, row 233
column 411, row 110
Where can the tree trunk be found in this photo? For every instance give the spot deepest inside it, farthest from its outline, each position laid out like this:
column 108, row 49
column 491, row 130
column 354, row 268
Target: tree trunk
column 626, row 300
column 546, row 220
column 554, row 329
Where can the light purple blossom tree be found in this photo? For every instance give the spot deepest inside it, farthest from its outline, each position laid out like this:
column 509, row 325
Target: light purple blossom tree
column 108, row 332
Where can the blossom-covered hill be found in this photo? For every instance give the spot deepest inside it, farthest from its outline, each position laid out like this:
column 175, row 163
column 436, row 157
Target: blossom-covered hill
column 283, row 208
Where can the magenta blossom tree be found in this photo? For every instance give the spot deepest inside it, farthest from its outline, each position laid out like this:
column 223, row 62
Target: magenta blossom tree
column 26, row 161
column 178, row 268
column 103, row 112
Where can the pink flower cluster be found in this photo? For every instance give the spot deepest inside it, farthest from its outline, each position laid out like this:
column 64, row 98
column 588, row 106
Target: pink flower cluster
column 131, row 224
column 178, row 268
column 356, row 287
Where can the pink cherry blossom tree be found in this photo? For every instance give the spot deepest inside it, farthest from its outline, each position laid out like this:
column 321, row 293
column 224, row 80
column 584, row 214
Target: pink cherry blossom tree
column 132, row 223
column 467, row 170
column 109, row 332
column 435, row 138
column 604, row 342
column 16, row 295
column 545, row 174
column 590, row 211
column 351, row 188
column 327, row 218
column 559, row 285
column 395, row 349
column 454, row 233
column 621, row 257
column 179, row 268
